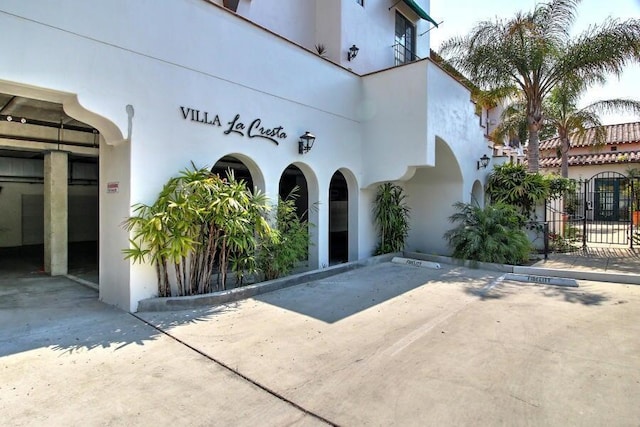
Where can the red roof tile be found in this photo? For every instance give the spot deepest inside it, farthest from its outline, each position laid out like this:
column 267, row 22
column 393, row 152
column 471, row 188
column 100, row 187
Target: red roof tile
column 623, row 133
column 593, row 159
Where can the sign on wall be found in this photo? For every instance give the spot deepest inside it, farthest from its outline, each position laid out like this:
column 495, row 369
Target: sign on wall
column 113, row 187
column 237, row 126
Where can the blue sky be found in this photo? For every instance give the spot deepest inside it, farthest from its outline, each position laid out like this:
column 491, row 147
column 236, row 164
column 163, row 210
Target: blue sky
column 460, row 16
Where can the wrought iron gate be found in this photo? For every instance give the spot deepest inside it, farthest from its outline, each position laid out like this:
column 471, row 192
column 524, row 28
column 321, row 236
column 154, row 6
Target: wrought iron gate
column 604, row 209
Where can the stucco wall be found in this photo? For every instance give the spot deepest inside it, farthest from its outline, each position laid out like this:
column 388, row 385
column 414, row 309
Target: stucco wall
column 100, row 57
column 452, row 118
column 394, row 111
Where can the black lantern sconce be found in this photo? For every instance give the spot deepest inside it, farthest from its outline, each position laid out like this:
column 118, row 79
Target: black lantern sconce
column 306, row 142
column 353, row 52
column 483, row 162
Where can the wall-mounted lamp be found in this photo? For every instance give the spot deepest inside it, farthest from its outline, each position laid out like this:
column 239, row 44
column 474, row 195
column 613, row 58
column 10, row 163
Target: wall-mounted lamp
column 483, row 162
column 306, row 142
column 352, row 53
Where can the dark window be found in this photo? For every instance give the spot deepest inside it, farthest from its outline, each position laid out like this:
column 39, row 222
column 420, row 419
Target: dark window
column 360, row 2
column 231, row 4
column 405, row 41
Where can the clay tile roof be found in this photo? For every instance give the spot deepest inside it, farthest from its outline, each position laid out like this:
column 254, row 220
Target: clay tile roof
column 593, row 159
column 623, row 133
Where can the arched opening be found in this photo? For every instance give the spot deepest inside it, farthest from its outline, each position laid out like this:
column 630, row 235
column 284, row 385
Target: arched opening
column 236, row 166
column 477, row 194
column 338, row 219
column 291, row 178
column 431, row 193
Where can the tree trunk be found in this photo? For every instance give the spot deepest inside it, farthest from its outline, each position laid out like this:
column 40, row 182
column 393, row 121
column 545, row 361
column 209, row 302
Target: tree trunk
column 564, row 157
column 534, row 119
column 533, row 151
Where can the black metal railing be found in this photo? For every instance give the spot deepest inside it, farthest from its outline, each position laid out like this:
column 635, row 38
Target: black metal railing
column 403, row 55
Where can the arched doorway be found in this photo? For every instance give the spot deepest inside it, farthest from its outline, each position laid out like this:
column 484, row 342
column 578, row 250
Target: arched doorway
column 338, row 219
column 293, row 183
column 477, row 194
column 239, row 169
column 292, row 178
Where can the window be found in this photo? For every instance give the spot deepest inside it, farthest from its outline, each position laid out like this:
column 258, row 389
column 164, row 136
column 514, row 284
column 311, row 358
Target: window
column 360, row 2
column 231, row 4
column 405, row 41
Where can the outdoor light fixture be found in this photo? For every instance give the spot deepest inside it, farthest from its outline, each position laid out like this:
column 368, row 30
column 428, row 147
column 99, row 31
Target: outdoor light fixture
column 306, row 142
column 353, row 52
column 22, row 120
column 483, row 162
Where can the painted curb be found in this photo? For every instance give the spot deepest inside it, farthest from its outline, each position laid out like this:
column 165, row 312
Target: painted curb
column 542, row 280
column 416, row 262
column 595, row 276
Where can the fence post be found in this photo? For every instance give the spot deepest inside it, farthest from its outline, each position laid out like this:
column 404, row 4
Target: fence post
column 546, row 239
column 584, row 216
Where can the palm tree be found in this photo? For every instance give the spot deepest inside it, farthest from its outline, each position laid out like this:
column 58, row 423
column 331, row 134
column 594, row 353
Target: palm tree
column 568, row 121
column 535, row 52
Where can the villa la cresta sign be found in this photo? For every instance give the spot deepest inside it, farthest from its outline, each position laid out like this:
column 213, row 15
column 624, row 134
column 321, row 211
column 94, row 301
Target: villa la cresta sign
column 248, row 129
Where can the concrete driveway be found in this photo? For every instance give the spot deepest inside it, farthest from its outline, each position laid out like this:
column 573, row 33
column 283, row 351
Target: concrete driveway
column 383, row 345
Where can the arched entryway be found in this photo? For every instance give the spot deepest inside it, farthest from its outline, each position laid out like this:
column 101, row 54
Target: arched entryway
column 293, row 178
column 293, row 184
column 431, row 193
column 477, row 194
column 338, row 219
column 231, row 164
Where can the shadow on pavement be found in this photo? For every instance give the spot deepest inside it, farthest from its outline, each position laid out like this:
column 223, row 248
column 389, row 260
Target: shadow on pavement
column 57, row 313
column 343, row 295
column 567, row 294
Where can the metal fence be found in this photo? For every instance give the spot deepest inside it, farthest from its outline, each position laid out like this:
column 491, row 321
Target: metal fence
column 602, row 210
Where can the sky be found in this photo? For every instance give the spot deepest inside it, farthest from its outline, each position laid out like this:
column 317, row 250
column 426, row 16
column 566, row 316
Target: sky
column 460, row 16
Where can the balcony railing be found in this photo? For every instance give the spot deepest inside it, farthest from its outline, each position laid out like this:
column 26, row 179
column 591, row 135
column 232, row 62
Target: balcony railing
column 403, row 54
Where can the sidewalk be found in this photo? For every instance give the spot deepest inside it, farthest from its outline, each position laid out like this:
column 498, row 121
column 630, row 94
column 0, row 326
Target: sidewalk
column 598, row 259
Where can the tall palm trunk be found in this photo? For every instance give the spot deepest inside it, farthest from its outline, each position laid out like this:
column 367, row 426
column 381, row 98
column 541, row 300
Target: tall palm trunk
column 533, row 149
column 564, row 156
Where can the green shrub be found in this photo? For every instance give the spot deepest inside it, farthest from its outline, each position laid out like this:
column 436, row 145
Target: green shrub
column 490, row 234
column 199, row 221
column 391, row 216
column 279, row 252
column 512, row 184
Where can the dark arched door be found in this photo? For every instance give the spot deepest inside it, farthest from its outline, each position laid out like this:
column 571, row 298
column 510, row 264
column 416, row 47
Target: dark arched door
column 338, row 219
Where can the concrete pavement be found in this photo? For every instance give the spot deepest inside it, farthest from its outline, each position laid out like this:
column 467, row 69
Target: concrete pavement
column 383, row 345
column 66, row 359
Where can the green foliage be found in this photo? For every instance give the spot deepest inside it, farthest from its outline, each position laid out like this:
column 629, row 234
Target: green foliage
column 391, row 216
column 511, row 184
column 535, row 51
column 198, row 221
column 559, row 186
column 492, row 234
column 289, row 244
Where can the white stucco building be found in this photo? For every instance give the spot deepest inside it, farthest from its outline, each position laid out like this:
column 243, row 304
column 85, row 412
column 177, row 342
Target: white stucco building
column 119, row 95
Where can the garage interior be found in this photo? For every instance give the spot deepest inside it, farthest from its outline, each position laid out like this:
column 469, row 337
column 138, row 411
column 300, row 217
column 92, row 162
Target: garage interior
column 48, row 190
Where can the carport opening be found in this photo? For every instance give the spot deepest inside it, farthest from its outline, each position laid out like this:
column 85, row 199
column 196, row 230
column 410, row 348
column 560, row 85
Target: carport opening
column 32, row 132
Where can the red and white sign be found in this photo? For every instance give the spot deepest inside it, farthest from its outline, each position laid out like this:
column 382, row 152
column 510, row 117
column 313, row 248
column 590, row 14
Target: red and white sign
column 113, row 187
